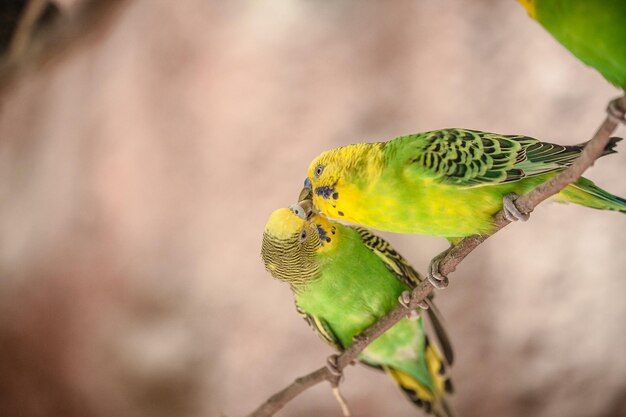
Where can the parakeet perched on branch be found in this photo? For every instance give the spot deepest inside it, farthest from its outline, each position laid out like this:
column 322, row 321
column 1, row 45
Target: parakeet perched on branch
column 594, row 31
column 446, row 183
column 344, row 279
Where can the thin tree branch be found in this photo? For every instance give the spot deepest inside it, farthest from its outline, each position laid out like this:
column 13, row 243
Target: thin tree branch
column 345, row 410
column 525, row 203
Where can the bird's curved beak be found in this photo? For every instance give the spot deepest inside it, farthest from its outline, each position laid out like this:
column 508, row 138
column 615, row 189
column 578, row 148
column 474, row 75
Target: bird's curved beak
column 305, row 199
column 307, row 191
column 305, row 194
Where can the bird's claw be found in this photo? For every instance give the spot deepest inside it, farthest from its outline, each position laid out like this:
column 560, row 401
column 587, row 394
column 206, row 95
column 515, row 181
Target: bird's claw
column 405, row 299
column 436, row 278
column 331, row 364
column 616, row 112
column 511, row 212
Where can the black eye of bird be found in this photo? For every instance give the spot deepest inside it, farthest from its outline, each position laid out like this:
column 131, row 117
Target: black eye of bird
column 302, row 235
column 298, row 211
column 319, row 170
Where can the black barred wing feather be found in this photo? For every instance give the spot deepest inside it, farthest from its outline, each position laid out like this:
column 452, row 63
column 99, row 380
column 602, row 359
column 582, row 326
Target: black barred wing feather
column 473, row 158
column 392, row 259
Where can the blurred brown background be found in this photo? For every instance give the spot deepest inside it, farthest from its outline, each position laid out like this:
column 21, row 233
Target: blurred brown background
column 138, row 168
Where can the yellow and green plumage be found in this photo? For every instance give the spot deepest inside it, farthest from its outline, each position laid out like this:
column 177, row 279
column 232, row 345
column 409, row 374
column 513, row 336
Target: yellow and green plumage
column 344, row 279
column 594, row 31
column 447, row 182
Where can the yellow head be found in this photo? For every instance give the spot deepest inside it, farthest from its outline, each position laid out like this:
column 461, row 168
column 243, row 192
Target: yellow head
column 292, row 239
column 338, row 168
column 529, row 5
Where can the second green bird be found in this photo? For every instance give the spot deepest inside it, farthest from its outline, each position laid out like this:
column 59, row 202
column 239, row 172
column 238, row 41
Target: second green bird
column 345, row 279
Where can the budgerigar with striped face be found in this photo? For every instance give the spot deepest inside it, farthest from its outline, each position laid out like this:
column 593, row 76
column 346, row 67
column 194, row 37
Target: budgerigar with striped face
column 344, row 279
column 446, row 183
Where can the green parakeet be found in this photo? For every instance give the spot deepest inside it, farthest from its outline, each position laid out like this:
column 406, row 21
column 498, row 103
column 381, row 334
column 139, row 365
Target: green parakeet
column 344, row 279
column 447, row 183
column 594, row 31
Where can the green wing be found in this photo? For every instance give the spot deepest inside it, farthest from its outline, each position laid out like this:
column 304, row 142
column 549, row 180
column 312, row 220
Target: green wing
column 470, row 158
column 322, row 328
column 402, row 270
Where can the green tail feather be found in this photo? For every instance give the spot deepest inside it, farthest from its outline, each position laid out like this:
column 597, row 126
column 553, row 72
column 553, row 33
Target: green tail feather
column 586, row 193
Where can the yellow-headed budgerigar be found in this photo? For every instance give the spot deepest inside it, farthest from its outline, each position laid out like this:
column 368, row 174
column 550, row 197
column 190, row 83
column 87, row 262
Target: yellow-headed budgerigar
column 446, row 183
column 344, row 279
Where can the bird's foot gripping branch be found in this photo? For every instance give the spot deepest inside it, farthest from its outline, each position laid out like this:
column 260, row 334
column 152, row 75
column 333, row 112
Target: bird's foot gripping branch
column 617, row 111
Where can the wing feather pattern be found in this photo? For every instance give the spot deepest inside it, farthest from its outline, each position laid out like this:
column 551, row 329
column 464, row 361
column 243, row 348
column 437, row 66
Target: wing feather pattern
column 472, row 158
